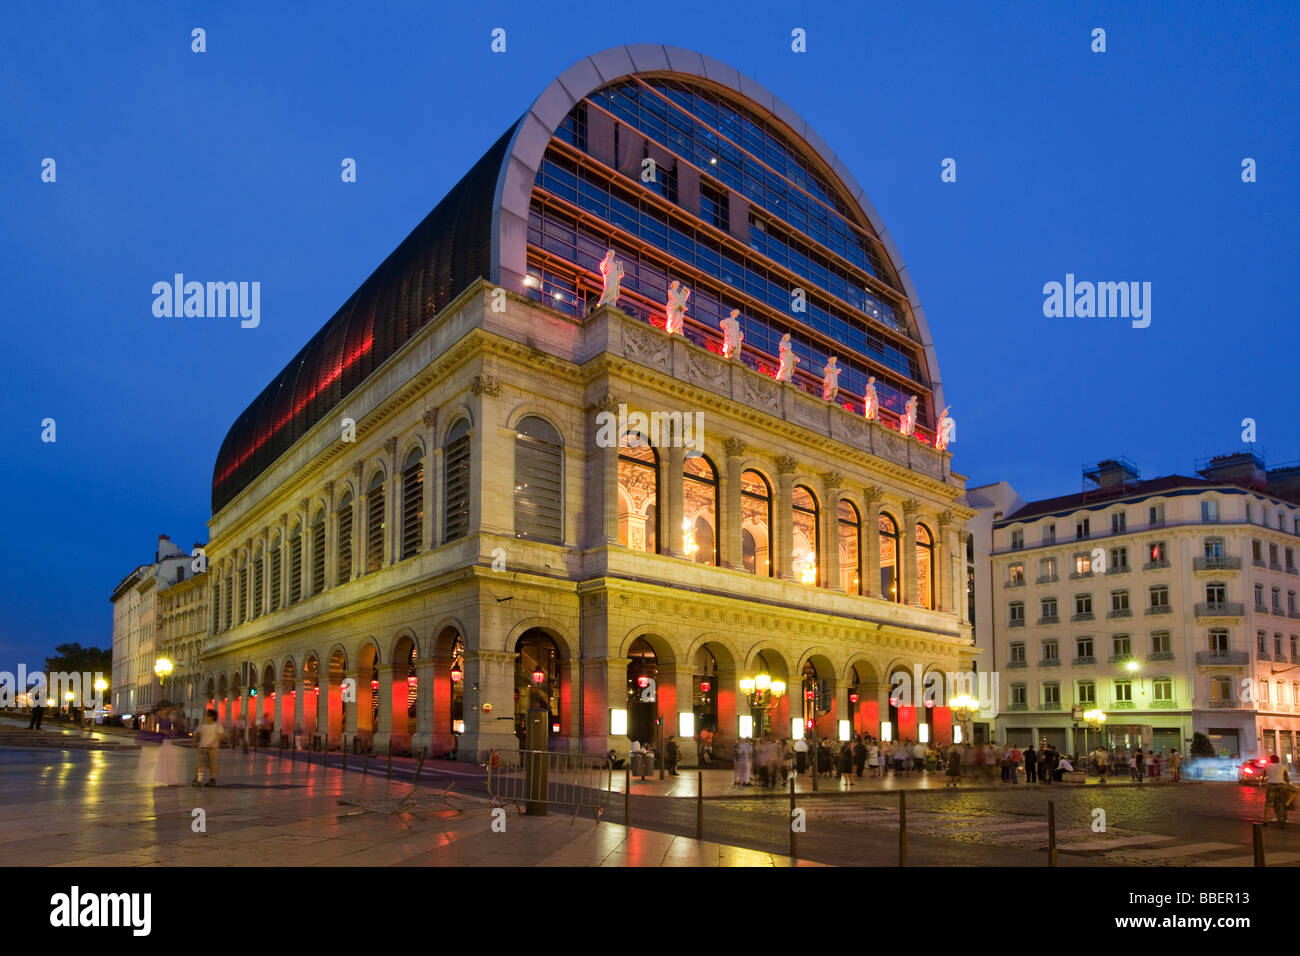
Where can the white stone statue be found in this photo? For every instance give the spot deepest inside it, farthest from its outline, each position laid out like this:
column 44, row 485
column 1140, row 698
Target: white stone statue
column 676, row 308
column 947, row 432
column 908, row 424
column 611, row 272
column 871, row 402
column 831, row 379
column 732, row 336
column 788, row 361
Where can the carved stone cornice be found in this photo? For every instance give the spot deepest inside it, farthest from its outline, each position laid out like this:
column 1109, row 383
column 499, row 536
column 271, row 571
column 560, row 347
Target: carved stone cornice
column 485, row 385
column 786, row 465
column 963, row 536
column 390, row 446
column 430, row 418
column 911, row 506
column 872, row 493
column 945, row 519
column 833, row 480
column 734, row 447
column 607, row 403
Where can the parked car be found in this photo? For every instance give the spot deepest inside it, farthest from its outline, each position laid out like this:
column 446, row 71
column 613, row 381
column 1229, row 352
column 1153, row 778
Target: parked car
column 1253, row 771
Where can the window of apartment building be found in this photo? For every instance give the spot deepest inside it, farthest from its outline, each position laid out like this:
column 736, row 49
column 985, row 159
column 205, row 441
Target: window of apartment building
column 1156, row 515
column 1295, row 648
column 1049, row 534
column 1282, row 696
column 1047, row 569
column 1209, row 510
column 1157, row 552
column 1216, row 592
column 1086, row 692
column 1160, row 642
column 1083, row 604
column 1083, row 647
column 1261, row 641
column 1048, row 608
column 1017, row 539
column 1082, row 564
column 1159, row 595
column 1297, row 525
column 1259, row 597
column 1051, row 694
column 1256, row 551
column 1081, row 529
column 1123, row 691
column 1295, row 691
column 1219, row 640
column 1263, row 691
column 1017, row 652
column 1250, row 512
column 1214, row 547
column 1276, row 597
column 1017, row 613
column 1277, row 647
column 1015, row 575
column 1281, row 520
column 1121, row 646
column 1289, row 555
column 1051, row 651
column 1119, row 602
column 1118, row 523
column 1018, row 696
column 1162, row 690
column 1272, row 556
column 1119, row 559
column 1221, row 689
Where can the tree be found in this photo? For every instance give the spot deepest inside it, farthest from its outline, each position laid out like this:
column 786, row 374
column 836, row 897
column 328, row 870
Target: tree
column 1201, row 746
column 75, row 659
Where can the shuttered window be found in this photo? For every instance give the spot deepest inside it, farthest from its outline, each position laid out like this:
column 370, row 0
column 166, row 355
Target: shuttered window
column 243, row 590
column 230, row 600
column 345, row 539
column 275, row 575
column 257, row 584
column 538, row 482
column 295, row 565
column 412, row 504
column 375, row 524
column 318, row 552
column 456, row 489
column 216, row 607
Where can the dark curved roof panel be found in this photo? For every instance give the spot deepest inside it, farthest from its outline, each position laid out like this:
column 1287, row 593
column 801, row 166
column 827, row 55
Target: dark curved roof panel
column 446, row 252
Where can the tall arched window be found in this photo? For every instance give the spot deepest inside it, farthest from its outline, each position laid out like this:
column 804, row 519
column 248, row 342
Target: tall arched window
column 891, row 588
column 318, row 552
column 258, row 562
column 806, row 557
column 216, row 608
column 343, row 526
column 230, row 597
column 700, row 510
column 539, row 514
column 538, row 657
column 295, row 563
column 276, row 559
column 375, row 523
column 756, row 523
column 924, row 566
column 412, row 503
column 638, row 494
column 243, row 588
column 455, row 498
column 850, row 528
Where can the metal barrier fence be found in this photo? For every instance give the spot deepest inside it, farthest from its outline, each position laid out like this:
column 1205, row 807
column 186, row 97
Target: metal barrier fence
column 539, row 779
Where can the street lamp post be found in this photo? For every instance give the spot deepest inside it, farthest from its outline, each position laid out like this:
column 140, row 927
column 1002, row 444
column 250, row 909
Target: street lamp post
column 762, row 693
column 1095, row 720
column 964, row 708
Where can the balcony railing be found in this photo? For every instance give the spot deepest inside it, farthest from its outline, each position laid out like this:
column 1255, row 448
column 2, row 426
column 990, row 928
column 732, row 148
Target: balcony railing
column 1261, row 608
column 1155, row 565
column 1118, row 569
column 1018, row 705
column 1119, row 658
column 1222, row 658
column 1119, row 612
column 1081, row 616
column 1259, row 563
column 1050, row 662
column 1122, row 705
column 1220, row 609
column 1161, row 656
column 1223, row 704
column 1164, row 705
column 1050, row 705
column 1263, row 655
column 1049, row 619
column 1084, row 661
column 1080, row 575
column 1047, row 579
column 1016, row 622
column 1160, row 609
column 1013, row 665
column 1221, row 563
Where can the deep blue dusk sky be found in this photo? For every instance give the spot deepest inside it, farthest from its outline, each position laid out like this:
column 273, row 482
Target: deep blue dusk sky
column 225, row 166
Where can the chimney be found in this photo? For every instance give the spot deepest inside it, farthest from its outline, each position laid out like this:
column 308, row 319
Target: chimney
column 1111, row 474
column 1284, row 482
column 1242, row 468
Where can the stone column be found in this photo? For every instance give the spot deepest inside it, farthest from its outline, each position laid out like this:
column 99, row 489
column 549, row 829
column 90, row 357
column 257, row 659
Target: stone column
column 606, row 479
column 425, row 691
column 392, row 506
column 440, row 697
column 326, row 687
column 943, row 593
column 298, row 710
column 358, row 521
column 963, row 606
column 246, row 595
column 351, row 708
column 331, row 539
column 907, row 547
column 490, row 680
column 304, row 546
column 783, row 518
column 674, row 508
column 871, row 541
column 830, row 532
column 384, row 721
column 731, row 532
column 430, row 530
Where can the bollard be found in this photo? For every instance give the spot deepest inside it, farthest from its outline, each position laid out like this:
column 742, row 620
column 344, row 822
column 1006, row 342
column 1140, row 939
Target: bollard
column 1257, row 838
column 420, row 766
column 293, row 751
column 699, row 805
column 794, row 837
column 627, row 796
column 343, row 752
column 663, row 753
column 902, row 828
column 1051, row 833
column 390, row 758
column 365, row 762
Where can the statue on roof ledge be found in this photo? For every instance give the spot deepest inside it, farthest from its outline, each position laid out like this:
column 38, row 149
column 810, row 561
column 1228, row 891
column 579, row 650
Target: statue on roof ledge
column 907, row 425
column 676, row 308
column 611, row 273
column 831, row 379
column 785, row 373
column 947, row 431
column 871, row 401
column 732, row 336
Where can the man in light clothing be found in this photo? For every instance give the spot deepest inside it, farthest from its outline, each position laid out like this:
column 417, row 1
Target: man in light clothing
column 211, row 734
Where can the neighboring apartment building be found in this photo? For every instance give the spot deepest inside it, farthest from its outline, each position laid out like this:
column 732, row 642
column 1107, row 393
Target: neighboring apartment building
column 182, row 630
column 1170, row 604
column 134, row 687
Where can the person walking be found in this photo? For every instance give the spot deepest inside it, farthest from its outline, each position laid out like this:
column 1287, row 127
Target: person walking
column 882, row 759
column 1175, row 761
column 859, row 755
column 211, row 734
column 918, row 757
column 801, row 754
column 1044, row 764
column 1031, row 764
column 1139, row 765
column 1153, row 765
column 846, row 764
column 1016, row 757
column 674, row 754
column 954, row 766
column 38, row 713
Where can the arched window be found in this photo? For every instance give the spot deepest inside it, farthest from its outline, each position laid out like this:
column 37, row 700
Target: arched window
column 258, row 581
column 216, row 610
column 642, row 690
column 318, row 552
column 412, row 503
column 295, row 563
column 538, row 657
column 243, row 588
column 806, row 557
column 539, row 481
column 891, row 587
column 455, row 453
column 375, row 523
column 704, row 699
column 924, row 566
column 275, row 573
column 343, row 525
column 230, row 598
column 850, row 527
column 638, row 494
column 700, row 510
column 756, row 523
